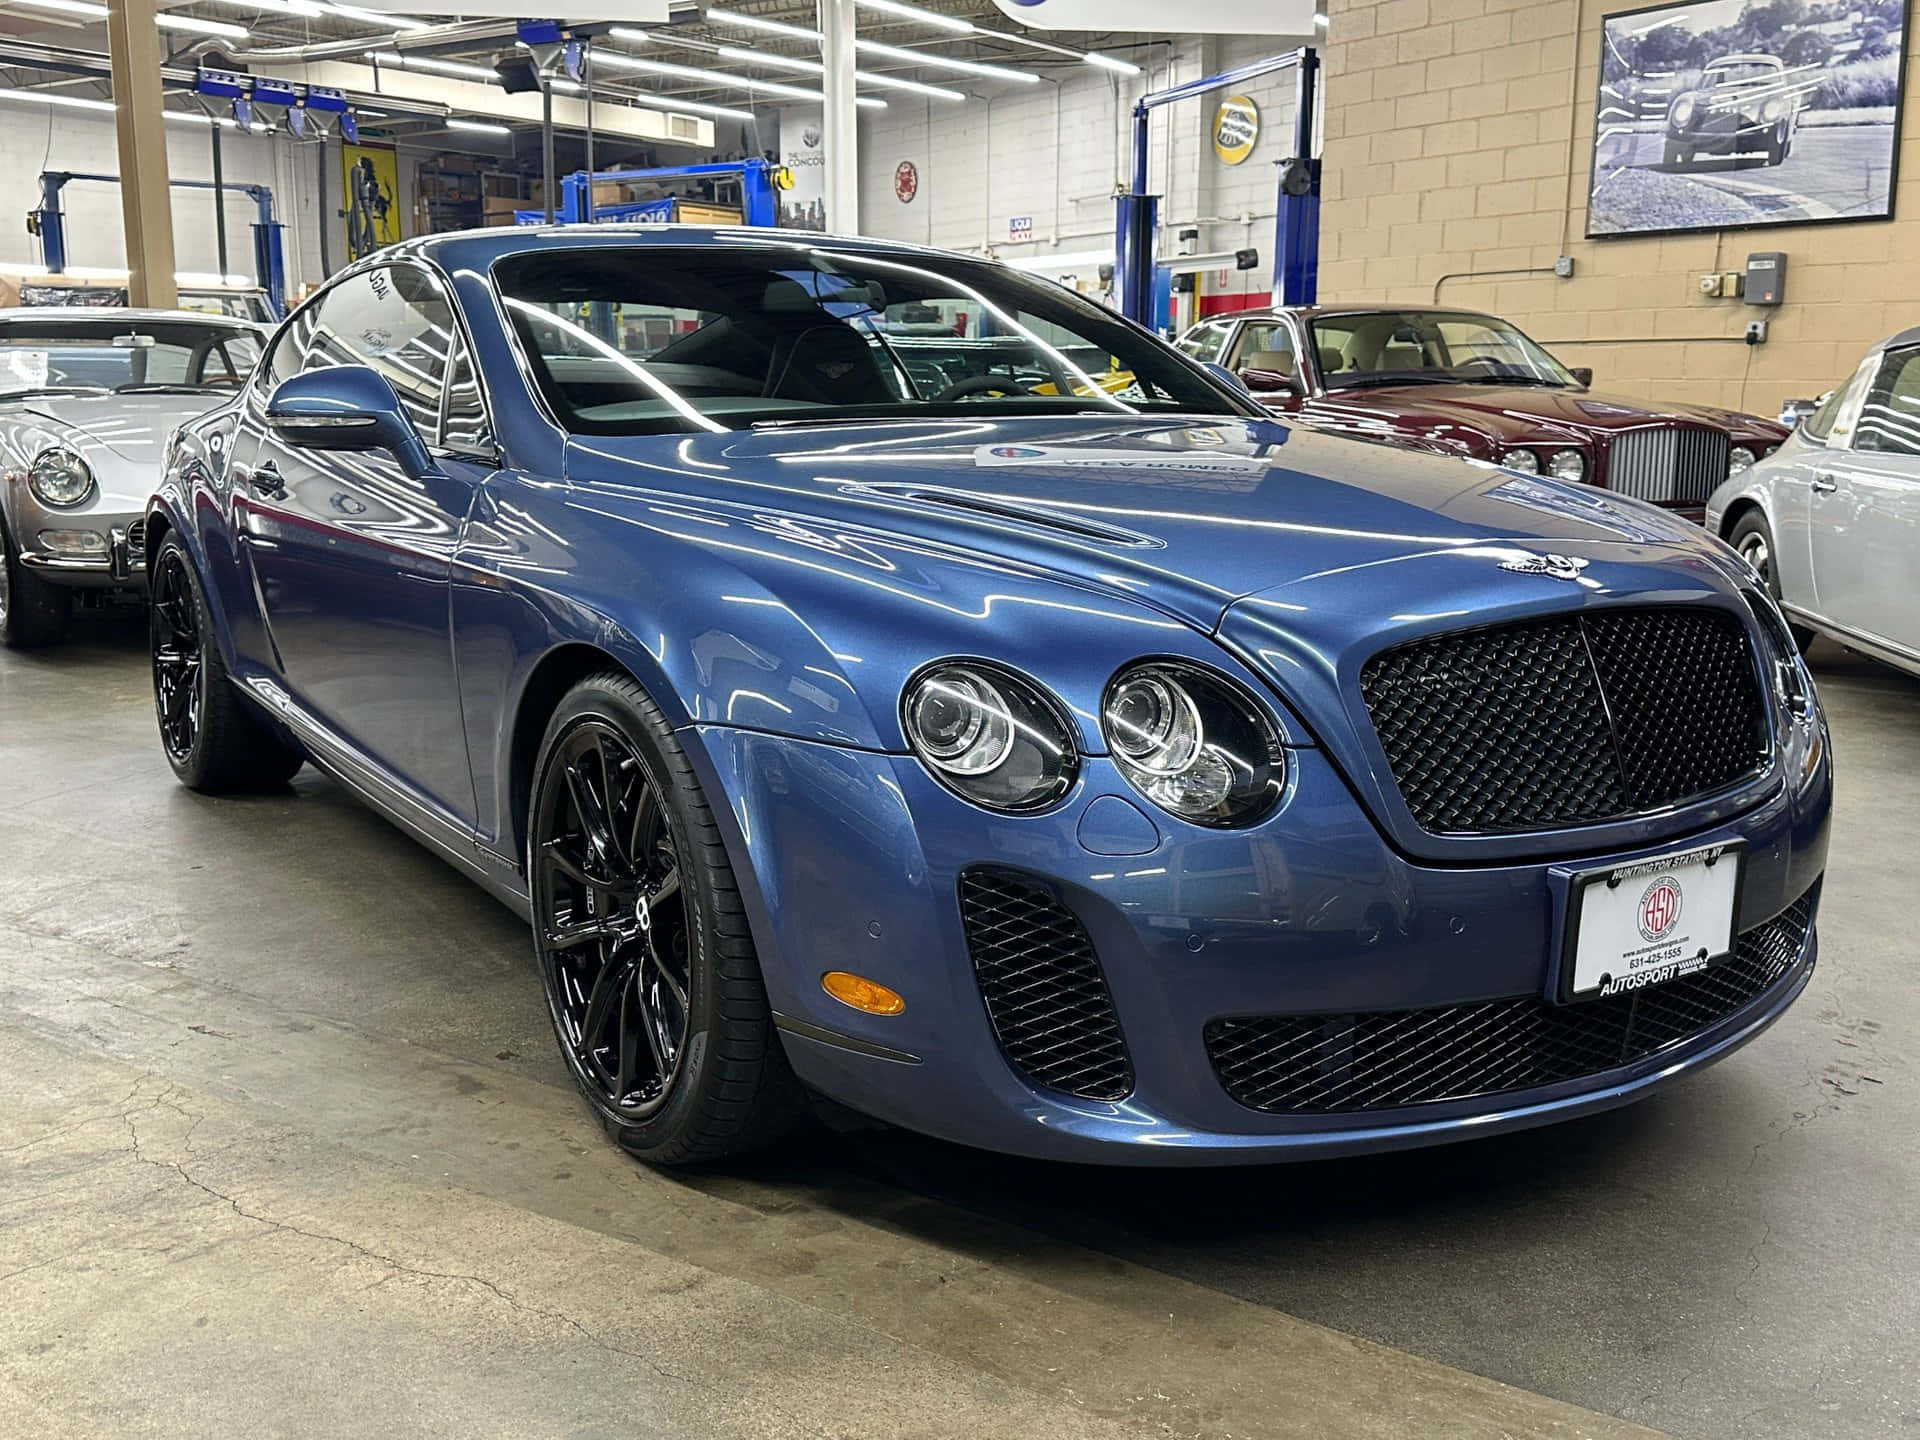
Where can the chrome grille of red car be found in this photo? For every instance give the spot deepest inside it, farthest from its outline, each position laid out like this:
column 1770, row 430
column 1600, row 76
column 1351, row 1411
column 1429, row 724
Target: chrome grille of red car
column 1045, row 992
column 1676, row 464
column 1572, row 720
column 1384, row 1059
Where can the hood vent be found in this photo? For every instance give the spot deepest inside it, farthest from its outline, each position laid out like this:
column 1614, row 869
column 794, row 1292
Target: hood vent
column 1017, row 511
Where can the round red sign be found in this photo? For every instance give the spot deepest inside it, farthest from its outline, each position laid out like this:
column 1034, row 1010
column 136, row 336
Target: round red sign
column 1660, row 908
column 906, row 182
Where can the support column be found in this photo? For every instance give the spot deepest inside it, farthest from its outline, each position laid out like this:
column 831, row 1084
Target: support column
column 146, row 205
column 839, row 125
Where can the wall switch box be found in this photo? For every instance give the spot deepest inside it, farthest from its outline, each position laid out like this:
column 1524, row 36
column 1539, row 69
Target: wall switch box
column 1563, row 267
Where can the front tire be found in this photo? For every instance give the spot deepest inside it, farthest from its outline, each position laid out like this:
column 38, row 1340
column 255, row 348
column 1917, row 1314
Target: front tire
column 644, row 951
column 1778, row 144
column 33, row 613
column 1752, row 538
column 215, row 741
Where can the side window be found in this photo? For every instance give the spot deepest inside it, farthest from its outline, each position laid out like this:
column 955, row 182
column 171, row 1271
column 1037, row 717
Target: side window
column 464, row 424
column 398, row 321
column 283, row 356
column 1266, row 345
column 1889, row 422
column 1835, row 418
column 1203, row 344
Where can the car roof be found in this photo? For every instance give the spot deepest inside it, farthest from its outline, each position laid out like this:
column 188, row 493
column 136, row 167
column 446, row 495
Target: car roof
column 479, row 249
column 1905, row 337
column 1773, row 60
column 105, row 313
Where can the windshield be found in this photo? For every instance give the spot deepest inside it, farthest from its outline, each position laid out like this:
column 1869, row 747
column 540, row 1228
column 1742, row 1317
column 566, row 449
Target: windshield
column 123, row 355
column 658, row 338
column 1741, row 72
column 1416, row 347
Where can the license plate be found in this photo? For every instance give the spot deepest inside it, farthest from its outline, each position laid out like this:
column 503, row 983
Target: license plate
column 1650, row 922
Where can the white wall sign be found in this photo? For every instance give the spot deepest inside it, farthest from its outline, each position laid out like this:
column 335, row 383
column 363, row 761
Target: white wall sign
column 1020, row 227
column 803, row 150
column 1193, row 17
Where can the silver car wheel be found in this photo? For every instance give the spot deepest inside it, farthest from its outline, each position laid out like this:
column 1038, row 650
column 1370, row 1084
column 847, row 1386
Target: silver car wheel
column 1753, row 550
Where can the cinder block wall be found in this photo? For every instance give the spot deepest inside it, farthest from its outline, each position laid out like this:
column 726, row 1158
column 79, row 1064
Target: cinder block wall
column 1459, row 140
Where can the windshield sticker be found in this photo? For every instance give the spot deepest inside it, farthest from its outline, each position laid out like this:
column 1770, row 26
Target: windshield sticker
column 23, row 367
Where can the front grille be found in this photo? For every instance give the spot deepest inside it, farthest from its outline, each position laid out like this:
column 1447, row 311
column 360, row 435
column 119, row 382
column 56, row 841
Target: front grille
column 137, row 541
column 1680, row 464
column 1378, row 1060
column 1570, row 720
column 1043, row 986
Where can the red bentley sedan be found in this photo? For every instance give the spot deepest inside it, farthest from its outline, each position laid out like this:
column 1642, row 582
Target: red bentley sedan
column 1474, row 385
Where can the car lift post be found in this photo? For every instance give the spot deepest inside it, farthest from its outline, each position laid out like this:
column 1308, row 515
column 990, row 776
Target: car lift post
column 759, row 189
column 1137, row 212
column 269, row 256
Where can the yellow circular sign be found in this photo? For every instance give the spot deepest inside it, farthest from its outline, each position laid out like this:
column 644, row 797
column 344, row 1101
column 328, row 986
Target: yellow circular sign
column 1236, row 129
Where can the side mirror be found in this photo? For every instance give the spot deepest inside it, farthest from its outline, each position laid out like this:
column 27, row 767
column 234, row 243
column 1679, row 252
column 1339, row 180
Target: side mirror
column 1270, row 382
column 348, row 407
column 1584, row 374
column 1227, row 377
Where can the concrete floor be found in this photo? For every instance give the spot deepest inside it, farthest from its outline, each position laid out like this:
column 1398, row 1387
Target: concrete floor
column 285, row 1149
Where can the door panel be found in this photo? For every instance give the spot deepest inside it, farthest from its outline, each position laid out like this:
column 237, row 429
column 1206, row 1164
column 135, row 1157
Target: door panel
column 1864, row 504
column 351, row 557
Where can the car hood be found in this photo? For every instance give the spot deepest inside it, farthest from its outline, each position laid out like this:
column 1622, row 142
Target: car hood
column 133, row 428
column 1186, row 516
column 1528, row 412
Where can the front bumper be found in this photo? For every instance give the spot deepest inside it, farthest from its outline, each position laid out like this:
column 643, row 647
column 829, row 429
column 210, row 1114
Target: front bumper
column 123, row 564
column 852, row 860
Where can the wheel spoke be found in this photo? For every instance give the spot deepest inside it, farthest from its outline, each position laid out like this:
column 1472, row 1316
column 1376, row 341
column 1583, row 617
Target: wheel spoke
column 671, row 980
column 665, row 889
column 585, row 932
column 613, row 981
column 593, row 815
column 573, row 869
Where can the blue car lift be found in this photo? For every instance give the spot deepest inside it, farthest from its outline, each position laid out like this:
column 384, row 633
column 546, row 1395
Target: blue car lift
column 1297, row 227
column 759, row 194
column 269, row 257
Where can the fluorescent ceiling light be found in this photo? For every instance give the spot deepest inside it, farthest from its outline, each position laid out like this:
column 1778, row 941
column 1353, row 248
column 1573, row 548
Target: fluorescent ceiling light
column 164, row 21
column 942, row 62
column 925, row 17
column 1108, row 62
column 99, row 107
column 814, row 67
column 306, row 9
column 720, row 78
column 753, row 22
column 476, row 127
column 372, row 17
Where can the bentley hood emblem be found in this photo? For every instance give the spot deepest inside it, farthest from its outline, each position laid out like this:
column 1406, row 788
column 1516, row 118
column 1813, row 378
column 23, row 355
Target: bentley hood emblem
column 1560, row 567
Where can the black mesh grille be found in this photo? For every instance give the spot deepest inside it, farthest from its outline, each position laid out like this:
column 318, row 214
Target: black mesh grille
column 1566, row 721
column 1043, row 986
column 1384, row 1059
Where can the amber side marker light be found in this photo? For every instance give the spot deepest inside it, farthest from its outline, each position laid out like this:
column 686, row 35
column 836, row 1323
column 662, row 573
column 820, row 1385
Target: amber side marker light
column 861, row 993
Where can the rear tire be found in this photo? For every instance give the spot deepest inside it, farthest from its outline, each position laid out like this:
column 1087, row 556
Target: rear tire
column 645, row 954
column 216, row 742
column 1752, row 537
column 33, row 613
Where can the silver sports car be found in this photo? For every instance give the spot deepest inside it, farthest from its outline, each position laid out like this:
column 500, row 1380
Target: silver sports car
column 1831, row 519
column 87, row 400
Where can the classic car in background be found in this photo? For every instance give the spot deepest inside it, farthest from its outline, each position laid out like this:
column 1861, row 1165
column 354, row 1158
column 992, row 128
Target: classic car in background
column 242, row 302
column 1743, row 105
column 1095, row 770
column 1474, row 385
column 87, row 400
column 1831, row 520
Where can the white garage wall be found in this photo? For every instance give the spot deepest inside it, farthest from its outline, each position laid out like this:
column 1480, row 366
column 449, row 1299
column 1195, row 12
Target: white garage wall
column 1057, row 152
column 34, row 139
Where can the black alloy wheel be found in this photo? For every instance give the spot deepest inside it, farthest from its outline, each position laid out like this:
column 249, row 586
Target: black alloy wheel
column 179, row 679
column 215, row 740
column 613, row 921
column 642, row 938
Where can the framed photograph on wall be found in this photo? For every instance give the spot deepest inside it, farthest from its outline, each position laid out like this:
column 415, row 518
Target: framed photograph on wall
column 1732, row 114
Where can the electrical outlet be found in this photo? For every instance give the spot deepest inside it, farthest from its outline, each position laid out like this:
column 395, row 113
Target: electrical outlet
column 1756, row 332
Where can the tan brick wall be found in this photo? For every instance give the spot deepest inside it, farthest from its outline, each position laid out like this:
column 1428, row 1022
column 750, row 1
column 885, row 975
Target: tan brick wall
column 1459, row 136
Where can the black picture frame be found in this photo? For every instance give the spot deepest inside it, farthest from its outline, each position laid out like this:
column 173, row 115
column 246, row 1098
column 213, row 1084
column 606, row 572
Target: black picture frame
column 1602, row 119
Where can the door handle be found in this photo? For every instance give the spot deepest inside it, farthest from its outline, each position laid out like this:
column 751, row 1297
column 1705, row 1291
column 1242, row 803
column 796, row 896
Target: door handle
column 265, row 477
column 1823, row 483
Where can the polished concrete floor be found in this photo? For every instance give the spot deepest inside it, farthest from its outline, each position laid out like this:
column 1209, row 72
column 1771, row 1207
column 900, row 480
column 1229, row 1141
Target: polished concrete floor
column 285, row 1150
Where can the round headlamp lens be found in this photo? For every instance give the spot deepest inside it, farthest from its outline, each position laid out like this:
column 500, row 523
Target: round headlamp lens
column 989, row 735
column 1683, row 111
column 1740, row 458
column 60, row 478
column 1193, row 742
column 1521, row 460
column 1567, row 465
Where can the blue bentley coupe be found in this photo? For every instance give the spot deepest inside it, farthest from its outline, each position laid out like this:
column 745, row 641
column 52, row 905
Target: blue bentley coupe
column 881, row 675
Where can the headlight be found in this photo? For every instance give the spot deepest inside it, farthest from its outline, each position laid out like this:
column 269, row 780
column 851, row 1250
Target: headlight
column 1521, row 460
column 989, row 736
column 1774, row 108
column 1739, row 458
column 59, row 478
column 1567, row 465
column 1683, row 111
column 1193, row 742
